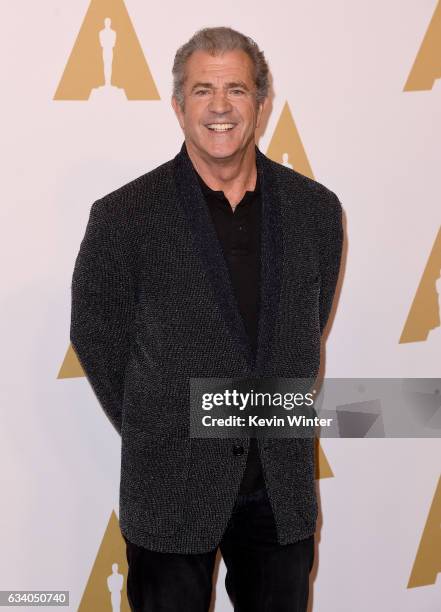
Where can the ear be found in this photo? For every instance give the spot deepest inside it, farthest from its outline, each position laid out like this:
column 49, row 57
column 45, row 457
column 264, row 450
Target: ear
column 260, row 109
column 178, row 111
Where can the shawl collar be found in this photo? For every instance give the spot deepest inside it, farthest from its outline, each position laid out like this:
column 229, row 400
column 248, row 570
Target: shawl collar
column 210, row 252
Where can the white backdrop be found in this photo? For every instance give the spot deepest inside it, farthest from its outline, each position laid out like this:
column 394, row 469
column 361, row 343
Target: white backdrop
column 342, row 67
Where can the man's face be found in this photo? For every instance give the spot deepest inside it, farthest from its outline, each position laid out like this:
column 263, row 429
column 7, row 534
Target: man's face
column 220, row 113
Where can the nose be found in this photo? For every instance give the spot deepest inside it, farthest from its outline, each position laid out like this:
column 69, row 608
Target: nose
column 219, row 102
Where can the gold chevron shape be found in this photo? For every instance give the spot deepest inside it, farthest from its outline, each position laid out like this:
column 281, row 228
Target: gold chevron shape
column 424, row 311
column 322, row 467
column 427, row 564
column 71, row 367
column 427, row 65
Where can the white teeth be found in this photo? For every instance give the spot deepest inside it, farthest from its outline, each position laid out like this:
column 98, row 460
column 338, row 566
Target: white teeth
column 220, row 127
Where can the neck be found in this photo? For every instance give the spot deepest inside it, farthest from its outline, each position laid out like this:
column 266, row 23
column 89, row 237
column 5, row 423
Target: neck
column 233, row 176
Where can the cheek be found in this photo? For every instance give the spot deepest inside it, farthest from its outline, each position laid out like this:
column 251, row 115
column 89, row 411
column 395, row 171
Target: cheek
column 249, row 115
column 194, row 119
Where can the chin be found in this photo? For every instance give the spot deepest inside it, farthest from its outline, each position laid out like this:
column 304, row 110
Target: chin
column 222, row 152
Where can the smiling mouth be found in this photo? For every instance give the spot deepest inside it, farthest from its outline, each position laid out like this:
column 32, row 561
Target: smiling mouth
column 220, row 127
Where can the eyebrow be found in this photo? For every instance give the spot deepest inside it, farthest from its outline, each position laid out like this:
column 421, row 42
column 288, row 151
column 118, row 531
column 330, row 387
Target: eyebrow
column 229, row 85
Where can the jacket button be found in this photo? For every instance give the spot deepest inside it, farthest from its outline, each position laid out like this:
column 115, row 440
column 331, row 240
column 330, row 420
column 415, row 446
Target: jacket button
column 237, row 450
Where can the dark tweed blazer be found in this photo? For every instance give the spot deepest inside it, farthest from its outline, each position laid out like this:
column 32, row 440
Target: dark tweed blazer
column 153, row 305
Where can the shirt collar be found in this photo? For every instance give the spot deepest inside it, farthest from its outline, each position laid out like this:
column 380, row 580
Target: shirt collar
column 215, row 193
column 220, row 194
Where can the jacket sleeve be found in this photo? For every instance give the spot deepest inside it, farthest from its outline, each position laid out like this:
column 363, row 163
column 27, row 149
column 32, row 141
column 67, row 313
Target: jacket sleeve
column 330, row 251
column 102, row 309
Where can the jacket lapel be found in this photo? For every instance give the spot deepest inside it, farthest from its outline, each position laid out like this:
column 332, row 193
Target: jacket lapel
column 271, row 262
column 210, row 252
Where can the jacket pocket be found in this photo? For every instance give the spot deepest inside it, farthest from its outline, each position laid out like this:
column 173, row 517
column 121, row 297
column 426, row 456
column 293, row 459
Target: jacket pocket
column 154, row 474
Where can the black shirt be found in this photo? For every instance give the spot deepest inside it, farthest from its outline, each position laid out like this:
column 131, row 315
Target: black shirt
column 239, row 235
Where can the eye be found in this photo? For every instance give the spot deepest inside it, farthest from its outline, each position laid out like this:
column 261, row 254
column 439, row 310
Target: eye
column 201, row 92
column 237, row 92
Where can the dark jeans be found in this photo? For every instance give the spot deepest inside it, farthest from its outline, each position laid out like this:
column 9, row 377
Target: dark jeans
column 262, row 575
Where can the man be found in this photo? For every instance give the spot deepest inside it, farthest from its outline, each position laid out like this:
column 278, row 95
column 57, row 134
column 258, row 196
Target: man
column 218, row 263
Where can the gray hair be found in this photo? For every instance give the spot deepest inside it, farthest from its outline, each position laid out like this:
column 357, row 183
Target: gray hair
column 216, row 41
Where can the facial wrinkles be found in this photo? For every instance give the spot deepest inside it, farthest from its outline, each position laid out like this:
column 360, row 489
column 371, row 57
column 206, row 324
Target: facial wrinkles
column 220, row 108
column 217, row 74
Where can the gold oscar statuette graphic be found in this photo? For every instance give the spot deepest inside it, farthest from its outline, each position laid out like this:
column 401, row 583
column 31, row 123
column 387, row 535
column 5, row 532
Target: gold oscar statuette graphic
column 426, row 68
column 106, row 587
column 286, row 145
column 427, row 563
column 106, row 61
column 423, row 320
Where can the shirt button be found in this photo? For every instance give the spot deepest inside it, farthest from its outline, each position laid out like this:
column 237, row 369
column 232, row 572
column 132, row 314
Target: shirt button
column 237, row 450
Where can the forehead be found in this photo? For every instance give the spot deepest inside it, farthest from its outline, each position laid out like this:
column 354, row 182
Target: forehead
column 231, row 66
